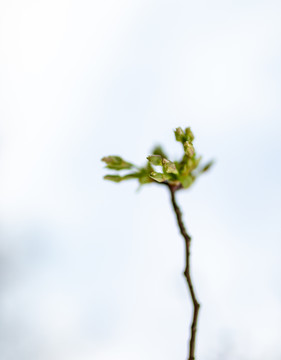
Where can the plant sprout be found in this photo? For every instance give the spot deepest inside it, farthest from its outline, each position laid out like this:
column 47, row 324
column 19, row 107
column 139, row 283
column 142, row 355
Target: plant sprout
column 175, row 175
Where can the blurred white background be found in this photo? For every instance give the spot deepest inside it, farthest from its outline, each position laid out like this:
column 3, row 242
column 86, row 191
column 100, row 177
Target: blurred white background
column 93, row 270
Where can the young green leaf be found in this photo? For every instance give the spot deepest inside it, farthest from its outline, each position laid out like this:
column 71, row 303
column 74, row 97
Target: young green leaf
column 115, row 178
column 159, row 177
column 158, row 150
column 143, row 175
column 186, row 181
column 145, row 179
column 207, row 166
column 155, row 160
column 116, row 163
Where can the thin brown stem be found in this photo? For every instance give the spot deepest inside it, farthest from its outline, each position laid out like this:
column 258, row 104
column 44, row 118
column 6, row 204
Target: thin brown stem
column 196, row 304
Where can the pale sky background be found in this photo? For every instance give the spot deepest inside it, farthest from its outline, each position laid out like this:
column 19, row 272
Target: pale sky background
column 91, row 270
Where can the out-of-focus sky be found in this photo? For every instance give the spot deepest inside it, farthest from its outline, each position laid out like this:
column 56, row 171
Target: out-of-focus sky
column 93, row 270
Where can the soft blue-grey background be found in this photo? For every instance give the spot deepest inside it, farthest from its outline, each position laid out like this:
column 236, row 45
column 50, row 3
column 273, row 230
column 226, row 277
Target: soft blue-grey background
column 93, row 270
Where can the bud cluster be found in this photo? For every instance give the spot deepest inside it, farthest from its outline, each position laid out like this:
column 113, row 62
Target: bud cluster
column 181, row 174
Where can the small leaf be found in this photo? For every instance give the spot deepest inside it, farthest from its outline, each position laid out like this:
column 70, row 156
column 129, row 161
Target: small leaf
column 196, row 162
column 115, row 178
column 159, row 177
column 207, row 166
column 186, row 181
column 180, row 135
column 170, row 167
column 131, row 176
column 143, row 176
column 188, row 148
column 116, row 163
column 144, row 179
column 159, row 151
column 155, row 159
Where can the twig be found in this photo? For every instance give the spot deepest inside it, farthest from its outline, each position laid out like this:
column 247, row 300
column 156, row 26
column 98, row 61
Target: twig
column 196, row 304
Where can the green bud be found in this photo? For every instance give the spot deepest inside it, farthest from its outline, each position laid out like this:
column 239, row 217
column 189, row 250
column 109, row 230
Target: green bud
column 184, row 171
column 180, row 135
column 189, row 134
column 188, row 148
column 116, row 163
column 155, row 160
column 169, row 167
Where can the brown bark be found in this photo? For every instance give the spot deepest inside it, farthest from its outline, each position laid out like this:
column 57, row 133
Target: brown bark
column 195, row 302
